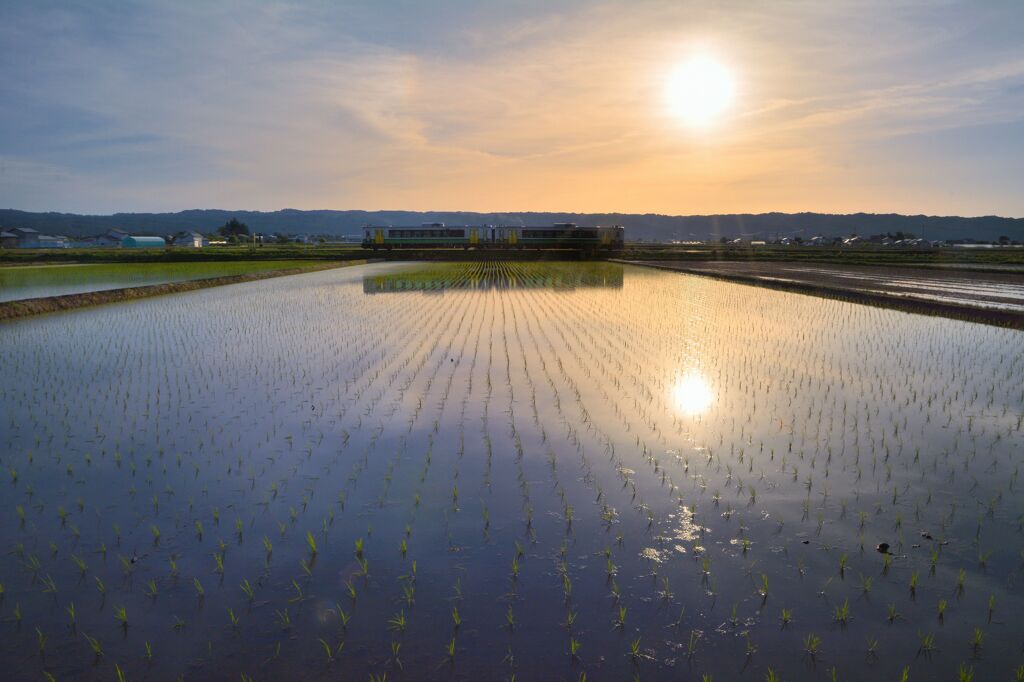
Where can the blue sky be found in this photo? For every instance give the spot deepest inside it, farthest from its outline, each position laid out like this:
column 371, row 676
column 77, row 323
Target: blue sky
column 915, row 107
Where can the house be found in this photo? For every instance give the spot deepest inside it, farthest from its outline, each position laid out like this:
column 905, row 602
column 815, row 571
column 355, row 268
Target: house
column 28, row 238
column 141, row 242
column 189, row 239
column 111, row 238
column 8, row 240
column 46, row 241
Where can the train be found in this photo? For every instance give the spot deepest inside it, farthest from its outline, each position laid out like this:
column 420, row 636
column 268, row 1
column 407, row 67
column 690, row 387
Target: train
column 434, row 235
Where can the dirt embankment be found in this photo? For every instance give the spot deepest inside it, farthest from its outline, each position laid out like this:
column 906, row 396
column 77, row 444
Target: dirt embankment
column 10, row 310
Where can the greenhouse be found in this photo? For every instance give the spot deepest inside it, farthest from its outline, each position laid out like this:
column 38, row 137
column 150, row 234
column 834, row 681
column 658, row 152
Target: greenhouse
column 133, row 242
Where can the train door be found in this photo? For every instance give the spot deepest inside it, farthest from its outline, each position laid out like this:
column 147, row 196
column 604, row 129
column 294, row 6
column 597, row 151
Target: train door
column 474, row 236
column 378, row 236
column 513, row 236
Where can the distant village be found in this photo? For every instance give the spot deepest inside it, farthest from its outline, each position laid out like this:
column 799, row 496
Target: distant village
column 234, row 233
column 27, row 238
column 898, row 240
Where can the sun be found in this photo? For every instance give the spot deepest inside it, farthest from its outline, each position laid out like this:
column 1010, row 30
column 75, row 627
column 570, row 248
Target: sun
column 700, row 90
column 692, row 394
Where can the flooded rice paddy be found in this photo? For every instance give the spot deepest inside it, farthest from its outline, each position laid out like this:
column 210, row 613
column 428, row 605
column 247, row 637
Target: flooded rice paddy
column 1002, row 288
column 509, row 471
column 36, row 281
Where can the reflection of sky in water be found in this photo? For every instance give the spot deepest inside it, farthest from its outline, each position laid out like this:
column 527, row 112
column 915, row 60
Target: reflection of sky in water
column 664, row 442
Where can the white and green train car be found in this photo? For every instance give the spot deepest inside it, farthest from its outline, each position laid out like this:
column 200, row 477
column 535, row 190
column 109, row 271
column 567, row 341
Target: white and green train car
column 438, row 235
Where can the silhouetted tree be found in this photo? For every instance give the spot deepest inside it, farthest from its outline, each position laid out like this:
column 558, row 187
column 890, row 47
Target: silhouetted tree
column 233, row 228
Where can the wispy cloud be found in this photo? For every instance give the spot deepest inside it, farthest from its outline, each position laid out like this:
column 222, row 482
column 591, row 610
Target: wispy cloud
column 495, row 106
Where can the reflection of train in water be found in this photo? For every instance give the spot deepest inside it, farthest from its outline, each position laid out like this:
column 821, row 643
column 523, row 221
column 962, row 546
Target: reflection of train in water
column 557, row 236
column 488, row 275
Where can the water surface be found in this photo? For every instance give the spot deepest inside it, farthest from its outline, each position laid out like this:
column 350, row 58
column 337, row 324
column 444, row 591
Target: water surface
column 35, row 281
column 646, row 467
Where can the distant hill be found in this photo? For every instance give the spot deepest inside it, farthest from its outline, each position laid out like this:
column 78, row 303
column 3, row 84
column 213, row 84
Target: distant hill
column 646, row 226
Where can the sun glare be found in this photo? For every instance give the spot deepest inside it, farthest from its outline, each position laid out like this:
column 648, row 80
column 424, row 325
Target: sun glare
column 700, row 90
column 692, row 394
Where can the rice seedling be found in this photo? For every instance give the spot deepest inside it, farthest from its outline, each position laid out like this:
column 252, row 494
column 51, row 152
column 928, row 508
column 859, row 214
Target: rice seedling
column 865, row 583
column 634, row 650
column 842, row 613
column 284, row 619
column 298, row 596
column 398, row 622
column 49, row 585
column 811, row 643
column 927, row 643
column 95, row 645
column 977, row 638
column 311, row 543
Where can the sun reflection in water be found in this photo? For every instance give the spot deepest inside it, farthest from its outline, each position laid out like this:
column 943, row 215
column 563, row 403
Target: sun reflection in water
column 692, row 394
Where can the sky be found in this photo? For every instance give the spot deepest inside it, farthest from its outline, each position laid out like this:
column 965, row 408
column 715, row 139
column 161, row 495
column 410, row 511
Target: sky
column 840, row 106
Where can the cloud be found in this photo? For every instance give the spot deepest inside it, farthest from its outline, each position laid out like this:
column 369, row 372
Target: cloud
column 482, row 105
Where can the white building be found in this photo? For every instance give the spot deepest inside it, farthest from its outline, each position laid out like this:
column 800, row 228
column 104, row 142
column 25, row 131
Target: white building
column 190, row 239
